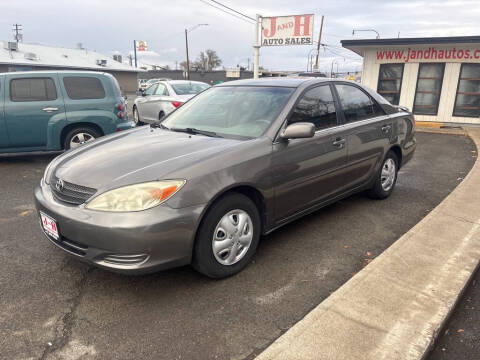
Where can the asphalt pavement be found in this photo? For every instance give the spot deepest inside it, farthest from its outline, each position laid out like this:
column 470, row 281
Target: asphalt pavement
column 54, row 307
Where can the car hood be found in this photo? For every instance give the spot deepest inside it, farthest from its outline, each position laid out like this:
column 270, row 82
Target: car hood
column 133, row 156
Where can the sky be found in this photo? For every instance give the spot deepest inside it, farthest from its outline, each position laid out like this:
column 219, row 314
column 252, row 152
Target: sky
column 110, row 26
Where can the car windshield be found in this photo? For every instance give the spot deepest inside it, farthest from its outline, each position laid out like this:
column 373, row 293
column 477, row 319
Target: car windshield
column 189, row 88
column 237, row 110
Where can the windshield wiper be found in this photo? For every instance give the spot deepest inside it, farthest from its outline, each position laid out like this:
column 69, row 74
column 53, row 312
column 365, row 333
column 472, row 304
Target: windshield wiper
column 194, row 131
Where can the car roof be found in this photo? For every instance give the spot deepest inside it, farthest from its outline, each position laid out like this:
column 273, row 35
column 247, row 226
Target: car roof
column 55, row 72
column 281, row 82
column 184, row 82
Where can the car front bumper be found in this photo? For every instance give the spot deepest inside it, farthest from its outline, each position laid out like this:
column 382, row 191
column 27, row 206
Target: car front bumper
column 134, row 243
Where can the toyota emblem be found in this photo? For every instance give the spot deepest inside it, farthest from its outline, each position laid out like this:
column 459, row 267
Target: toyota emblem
column 59, row 185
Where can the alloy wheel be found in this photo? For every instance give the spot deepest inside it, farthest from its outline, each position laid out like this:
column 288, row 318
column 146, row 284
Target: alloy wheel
column 388, row 174
column 80, row 138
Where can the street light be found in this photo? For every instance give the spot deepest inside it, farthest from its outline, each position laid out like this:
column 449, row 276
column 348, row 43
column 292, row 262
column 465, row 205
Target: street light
column 372, row 30
column 186, row 46
column 308, row 58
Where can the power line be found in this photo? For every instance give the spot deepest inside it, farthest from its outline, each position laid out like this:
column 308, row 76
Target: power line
column 226, row 12
column 229, row 8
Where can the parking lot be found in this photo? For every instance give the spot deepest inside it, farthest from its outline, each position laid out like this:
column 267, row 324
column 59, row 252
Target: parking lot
column 53, row 306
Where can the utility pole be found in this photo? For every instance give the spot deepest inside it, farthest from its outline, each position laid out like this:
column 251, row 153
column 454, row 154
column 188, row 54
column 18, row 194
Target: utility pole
column 188, row 60
column 256, row 49
column 17, row 28
column 135, row 51
column 318, row 45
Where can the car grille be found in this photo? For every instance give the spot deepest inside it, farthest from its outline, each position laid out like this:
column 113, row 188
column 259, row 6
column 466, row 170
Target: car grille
column 71, row 193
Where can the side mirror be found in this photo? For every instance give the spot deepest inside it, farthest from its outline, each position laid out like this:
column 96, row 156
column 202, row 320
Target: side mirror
column 143, row 93
column 299, row 130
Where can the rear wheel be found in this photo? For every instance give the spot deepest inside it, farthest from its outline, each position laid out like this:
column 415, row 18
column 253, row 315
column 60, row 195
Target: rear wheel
column 79, row 136
column 386, row 177
column 228, row 237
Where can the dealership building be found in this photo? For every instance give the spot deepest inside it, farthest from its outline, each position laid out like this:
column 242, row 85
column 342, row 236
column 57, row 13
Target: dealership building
column 29, row 57
column 437, row 78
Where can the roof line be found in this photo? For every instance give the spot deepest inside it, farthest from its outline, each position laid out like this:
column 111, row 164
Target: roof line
column 411, row 41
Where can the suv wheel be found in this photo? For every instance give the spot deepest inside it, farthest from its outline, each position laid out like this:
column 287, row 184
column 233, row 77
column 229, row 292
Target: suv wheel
column 228, row 237
column 80, row 136
column 386, row 178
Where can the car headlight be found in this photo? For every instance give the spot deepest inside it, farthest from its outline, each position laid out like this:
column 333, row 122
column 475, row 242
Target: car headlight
column 136, row 197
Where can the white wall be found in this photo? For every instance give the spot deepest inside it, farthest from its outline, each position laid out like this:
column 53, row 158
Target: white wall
column 447, row 98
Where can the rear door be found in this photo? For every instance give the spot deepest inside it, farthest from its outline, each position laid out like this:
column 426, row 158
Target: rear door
column 32, row 105
column 369, row 133
column 4, row 143
column 310, row 171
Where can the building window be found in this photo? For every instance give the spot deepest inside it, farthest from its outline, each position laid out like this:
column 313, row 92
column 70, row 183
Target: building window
column 429, row 88
column 390, row 82
column 467, row 103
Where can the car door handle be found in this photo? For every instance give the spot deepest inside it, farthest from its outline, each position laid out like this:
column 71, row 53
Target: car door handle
column 386, row 128
column 338, row 142
column 50, row 109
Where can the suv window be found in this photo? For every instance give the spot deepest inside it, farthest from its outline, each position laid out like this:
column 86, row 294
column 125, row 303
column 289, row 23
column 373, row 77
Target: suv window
column 151, row 90
column 161, row 90
column 356, row 104
column 80, row 88
column 32, row 89
column 316, row 106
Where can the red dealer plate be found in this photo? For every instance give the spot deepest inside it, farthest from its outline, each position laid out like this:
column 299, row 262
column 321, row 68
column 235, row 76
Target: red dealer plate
column 49, row 225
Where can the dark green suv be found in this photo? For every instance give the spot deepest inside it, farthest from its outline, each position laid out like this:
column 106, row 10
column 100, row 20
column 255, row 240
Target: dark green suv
column 58, row 110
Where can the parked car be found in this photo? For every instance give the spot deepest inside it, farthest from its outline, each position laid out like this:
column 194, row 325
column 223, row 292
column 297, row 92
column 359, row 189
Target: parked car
column 55, row 110
column 161, row 98
column 239, row 160
column 144, row 84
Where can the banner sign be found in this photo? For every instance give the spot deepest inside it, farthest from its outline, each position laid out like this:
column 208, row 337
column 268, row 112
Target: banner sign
column 287, row 30
column 428, row 54
column 141, row 45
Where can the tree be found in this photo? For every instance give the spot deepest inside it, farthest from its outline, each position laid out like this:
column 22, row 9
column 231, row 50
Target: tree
column 207, row 60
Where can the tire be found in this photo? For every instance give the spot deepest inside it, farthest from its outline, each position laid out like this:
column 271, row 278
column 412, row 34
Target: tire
column 217, row 231
column 161, row 115
column 136, row 117
column 79, row 136
column 384, row 183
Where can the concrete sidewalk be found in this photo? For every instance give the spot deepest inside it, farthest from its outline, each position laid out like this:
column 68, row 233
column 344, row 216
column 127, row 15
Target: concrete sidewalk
column 395, row 307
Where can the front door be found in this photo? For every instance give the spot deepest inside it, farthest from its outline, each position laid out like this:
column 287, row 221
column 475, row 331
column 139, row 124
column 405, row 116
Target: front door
column 309, row 171
column 369, row 133
column 32, row 105
column 144, row 105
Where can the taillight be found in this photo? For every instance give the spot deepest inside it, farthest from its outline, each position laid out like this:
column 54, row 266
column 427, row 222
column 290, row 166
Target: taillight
column 176, row 104
column 120, row 107
column 414, row 121
column 120, row 115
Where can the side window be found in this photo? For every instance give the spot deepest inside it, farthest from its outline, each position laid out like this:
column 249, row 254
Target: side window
column 356, row 104
column 151, row 90
column 32, row 89
column 81, row 88
column 161, row 90
column 316, row 106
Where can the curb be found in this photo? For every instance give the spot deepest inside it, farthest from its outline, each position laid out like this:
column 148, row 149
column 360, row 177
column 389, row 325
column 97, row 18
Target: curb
column 396, row 306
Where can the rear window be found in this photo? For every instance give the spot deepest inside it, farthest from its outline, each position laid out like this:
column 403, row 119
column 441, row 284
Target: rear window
column 80, row 88
column 32, row 89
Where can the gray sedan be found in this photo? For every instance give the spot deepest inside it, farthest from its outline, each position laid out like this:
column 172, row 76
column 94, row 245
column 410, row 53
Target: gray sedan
column 161, row 98
column 239, row 160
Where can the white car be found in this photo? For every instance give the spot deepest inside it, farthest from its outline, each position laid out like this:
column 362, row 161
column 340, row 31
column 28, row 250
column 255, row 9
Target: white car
column 162, row 98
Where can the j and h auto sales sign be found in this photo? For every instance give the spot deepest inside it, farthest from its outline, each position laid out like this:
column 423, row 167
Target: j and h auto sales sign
column 287, row 30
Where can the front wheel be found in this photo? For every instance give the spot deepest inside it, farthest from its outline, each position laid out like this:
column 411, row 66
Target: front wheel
column 136, row 117
column 386, row 178
column 228, row 237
